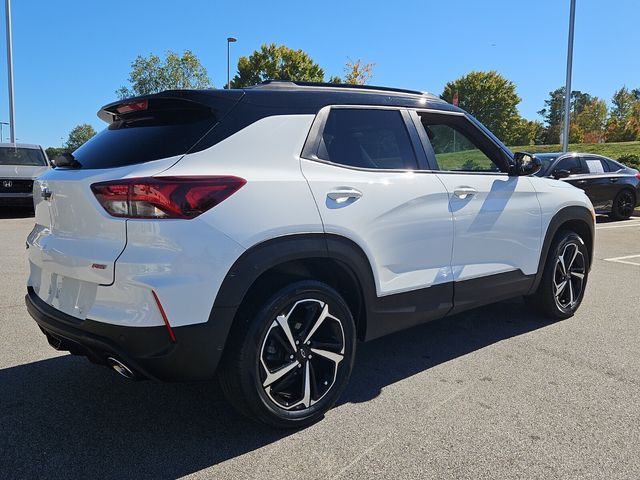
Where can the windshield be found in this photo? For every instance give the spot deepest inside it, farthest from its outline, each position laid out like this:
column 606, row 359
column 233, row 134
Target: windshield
column 546, row 161
column 22, row 156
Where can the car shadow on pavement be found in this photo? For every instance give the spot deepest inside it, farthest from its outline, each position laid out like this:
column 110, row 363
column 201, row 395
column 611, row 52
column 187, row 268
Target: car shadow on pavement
column 63, row 417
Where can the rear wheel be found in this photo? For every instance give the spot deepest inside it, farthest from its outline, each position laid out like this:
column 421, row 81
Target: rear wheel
column 289, row 361
column 623, row 205
column 564, row 278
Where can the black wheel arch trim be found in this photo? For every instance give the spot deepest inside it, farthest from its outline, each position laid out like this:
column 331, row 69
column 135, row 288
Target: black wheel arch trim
column 559, row 220
column 379, row 315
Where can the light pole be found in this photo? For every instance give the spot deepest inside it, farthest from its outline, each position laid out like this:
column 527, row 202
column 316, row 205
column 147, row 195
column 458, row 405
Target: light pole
column 12, row 116
column 567, row 87
column 230, row 40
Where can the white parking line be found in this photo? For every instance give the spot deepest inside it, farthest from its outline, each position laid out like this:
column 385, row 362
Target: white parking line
column 625, row 260
column 631, row 223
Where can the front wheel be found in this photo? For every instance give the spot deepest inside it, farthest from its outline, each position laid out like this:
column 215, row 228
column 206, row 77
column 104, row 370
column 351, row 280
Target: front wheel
column 564, row 279
column 289, row 361
column 623, row 205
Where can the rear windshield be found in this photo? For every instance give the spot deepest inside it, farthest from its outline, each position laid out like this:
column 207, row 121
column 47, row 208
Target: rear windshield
column 22, row 156
column 165, row 129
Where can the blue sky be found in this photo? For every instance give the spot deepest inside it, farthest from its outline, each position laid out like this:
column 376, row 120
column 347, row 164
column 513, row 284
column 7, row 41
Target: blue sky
column 70, row 56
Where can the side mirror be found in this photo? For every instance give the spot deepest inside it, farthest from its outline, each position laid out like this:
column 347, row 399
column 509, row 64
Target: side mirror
column 525, row 164
column 558, row 174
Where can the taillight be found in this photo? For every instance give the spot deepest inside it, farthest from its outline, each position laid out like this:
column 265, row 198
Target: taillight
column 638, row 175
column 164, row 197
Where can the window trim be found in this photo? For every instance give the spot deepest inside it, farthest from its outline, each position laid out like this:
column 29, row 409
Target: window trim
column 312, row 143
column 430, row 152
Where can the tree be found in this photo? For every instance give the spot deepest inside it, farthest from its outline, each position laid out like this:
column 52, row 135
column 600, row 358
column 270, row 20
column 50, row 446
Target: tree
column 620, row 126
column 152, row 74
column 527, row 132
column 358, row 73
column 591, row 122
column 276, row 62
column 553, row 113
column 78, row 136
column 53, row 152
column 489, row 97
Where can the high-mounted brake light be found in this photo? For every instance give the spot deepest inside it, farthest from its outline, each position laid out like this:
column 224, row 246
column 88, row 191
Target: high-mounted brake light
column 135, row 106
column 164, row 197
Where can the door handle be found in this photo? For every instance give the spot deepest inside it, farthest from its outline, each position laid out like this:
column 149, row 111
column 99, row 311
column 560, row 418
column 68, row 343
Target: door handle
column 613, row 180
column 343, row 195
column 581, row 182
column 464, row 192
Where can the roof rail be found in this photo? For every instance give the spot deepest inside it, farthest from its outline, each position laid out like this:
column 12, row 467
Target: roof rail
column 290, row 83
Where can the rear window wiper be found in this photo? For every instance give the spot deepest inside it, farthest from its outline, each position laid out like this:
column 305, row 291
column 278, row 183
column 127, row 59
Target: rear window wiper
column 66, row 160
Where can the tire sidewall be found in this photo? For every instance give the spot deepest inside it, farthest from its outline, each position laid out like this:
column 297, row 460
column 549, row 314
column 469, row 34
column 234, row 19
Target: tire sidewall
column 263, row 406
column 615, row 209
column 563, row 240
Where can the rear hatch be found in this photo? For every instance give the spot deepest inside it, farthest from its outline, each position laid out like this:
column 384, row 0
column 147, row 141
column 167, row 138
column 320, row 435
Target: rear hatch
column 75, row 243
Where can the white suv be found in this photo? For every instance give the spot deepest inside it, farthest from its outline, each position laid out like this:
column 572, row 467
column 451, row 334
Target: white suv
column 256, row 234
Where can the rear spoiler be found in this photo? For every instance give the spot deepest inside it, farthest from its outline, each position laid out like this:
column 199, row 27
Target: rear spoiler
column 217, row 101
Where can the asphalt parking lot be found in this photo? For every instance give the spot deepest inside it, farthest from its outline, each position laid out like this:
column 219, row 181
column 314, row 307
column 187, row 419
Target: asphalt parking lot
column 493, row 393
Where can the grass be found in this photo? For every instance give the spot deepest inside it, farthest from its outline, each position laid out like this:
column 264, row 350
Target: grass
column 611, row 150
column 478, row 161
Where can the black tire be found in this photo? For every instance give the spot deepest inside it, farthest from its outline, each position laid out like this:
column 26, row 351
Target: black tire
column 259, row 341
column 623, row 205
column 560, row 293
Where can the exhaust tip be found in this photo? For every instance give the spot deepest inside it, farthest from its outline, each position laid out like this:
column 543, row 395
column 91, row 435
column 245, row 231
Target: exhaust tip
column 120, row 368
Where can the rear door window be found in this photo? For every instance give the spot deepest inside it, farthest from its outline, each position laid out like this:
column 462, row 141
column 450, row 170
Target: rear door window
column 367, row 138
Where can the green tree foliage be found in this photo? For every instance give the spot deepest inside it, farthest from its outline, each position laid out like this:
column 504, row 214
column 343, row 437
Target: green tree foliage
column 553, row 113
column 53, row 152
column 624, row 121
column 78, row 136
column 489, row 97
column 526, row 132
column 276, row 62
column 152, row 74
column 590, row 122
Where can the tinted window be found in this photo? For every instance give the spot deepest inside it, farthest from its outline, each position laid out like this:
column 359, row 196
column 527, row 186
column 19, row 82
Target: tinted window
column 456, row 152
column 572, row 164
column 22, row 156
column 168, row 127
column 614, row 166
column 547, row 161
column 367, row 138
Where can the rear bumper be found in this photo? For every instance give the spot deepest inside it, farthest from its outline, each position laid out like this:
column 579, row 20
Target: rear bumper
column 147, row 351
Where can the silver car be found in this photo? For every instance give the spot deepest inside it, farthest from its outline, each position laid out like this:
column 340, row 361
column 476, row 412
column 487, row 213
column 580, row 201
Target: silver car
column 19, row 165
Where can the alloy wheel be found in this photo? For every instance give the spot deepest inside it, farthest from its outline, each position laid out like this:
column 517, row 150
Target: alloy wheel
column 568, row 277
column 300, row 355
column 625, row 204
